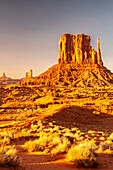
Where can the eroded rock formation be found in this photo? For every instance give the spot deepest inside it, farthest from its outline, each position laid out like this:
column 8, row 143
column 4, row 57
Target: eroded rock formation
column 4, row 75
column 78, row 65
column 77, row 48
column 4, row 80
column 29, row 74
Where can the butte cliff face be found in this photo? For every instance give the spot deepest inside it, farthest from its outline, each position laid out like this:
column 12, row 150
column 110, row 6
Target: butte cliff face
column 78, row 65
column 77, row 48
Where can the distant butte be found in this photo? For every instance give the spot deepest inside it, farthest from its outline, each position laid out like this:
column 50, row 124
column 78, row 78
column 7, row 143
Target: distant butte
column 4, row 75
column 4, row 80
column 78, row 65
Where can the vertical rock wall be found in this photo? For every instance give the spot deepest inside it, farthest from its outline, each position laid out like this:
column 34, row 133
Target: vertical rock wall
column 77, row 48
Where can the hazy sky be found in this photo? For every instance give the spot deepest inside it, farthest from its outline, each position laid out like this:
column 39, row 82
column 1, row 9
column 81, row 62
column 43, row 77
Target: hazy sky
column 30, row 31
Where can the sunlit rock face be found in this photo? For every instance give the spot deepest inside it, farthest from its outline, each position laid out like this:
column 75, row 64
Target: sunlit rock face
column 29, row 74
column 77, row 48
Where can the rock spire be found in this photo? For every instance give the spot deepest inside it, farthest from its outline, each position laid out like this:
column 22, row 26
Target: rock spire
column 29, row 74
column 4, row 75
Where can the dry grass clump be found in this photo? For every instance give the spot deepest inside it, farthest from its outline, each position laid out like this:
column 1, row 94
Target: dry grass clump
column 46, row 140
column 5, row 141
column 7, row 134
column 38, row 144
column 52, row 142
column 31, row 146
column 78, row 137
column 8, row 157
column 55, row 139
column 83, row 154
column 5, row 138
column 62, row 147
column 105, row 146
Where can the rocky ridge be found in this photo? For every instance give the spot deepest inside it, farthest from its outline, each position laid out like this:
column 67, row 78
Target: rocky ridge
column 78, row 65
column 6, row 80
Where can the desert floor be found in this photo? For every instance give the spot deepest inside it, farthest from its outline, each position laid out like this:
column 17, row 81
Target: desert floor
column 26, row 112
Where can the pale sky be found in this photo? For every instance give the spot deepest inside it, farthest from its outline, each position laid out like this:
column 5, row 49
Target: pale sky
column 30, row 31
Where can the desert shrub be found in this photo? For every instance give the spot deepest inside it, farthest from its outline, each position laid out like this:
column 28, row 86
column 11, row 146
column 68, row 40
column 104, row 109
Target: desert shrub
column 38, row 144
column 44, row 138
column 82, row 154
column 5, row 138
column 8, row 157
column 77, row 137
column 31, row 146
column 62, row 146
column 5, row 141
column 70, row 136
column 55, row 140
column 49, row 141
column 106, row 145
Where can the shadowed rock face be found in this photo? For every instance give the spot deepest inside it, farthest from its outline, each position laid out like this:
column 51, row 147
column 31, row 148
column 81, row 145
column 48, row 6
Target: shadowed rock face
column 77, row 48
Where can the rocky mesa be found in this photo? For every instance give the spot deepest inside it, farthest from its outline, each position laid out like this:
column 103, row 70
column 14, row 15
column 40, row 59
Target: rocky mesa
column 6, row 80
column 78, row 65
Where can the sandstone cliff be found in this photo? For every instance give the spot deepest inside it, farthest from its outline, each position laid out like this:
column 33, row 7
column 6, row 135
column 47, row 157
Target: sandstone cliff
column 77, row 49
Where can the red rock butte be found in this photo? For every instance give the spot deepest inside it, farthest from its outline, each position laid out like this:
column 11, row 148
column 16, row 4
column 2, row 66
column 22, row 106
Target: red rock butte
column 77, row 48
column 78, row 65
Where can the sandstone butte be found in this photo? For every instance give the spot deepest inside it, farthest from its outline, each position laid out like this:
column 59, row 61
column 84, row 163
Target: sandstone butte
column 28, row 75
column 78, row 65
